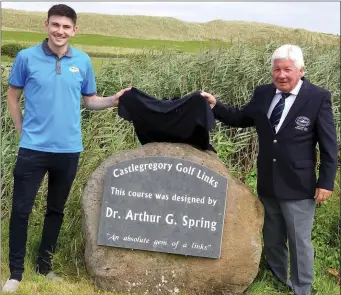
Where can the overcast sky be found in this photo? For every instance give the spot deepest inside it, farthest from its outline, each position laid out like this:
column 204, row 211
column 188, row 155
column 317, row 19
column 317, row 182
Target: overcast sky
column 313, row 16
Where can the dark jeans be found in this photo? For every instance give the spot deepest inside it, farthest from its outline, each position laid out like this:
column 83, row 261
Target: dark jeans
column 29, row 171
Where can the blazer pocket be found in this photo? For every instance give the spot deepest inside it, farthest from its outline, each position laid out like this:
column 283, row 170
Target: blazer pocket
column 304, row 164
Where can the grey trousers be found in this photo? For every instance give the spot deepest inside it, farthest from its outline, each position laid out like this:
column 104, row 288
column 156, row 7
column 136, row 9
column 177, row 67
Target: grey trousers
column 292, row 221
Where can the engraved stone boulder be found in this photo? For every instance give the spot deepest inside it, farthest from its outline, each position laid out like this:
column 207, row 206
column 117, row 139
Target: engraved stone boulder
column 151, row 272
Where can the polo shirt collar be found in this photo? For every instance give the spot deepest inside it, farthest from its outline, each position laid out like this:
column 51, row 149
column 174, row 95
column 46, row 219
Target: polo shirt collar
column 48, row 50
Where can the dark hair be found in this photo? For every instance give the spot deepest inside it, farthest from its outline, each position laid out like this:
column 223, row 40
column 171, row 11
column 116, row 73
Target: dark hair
column 62, row 10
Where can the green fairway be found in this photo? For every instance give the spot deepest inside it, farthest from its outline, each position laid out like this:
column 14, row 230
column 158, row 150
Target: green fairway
column 108, row 41
column 97, row 63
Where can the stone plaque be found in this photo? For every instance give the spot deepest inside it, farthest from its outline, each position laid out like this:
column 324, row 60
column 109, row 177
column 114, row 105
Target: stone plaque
column 163, row 204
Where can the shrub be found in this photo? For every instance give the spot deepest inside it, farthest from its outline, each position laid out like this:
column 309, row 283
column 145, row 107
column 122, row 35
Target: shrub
column 12, row 49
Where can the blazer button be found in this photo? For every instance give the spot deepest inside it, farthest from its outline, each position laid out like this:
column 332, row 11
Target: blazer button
column 273, row 160
column 275, row 141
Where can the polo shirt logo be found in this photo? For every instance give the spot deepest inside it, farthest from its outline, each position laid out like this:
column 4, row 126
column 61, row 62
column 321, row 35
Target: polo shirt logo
column 74, row 69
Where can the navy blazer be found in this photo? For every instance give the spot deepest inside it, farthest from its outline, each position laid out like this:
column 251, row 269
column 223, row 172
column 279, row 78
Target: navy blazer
column 286, row 161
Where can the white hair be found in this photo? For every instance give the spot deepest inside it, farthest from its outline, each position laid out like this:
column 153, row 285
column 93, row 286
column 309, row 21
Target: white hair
column 291, row 52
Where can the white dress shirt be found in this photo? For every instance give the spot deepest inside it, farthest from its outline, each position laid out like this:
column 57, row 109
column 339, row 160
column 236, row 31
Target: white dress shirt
column 288, row 102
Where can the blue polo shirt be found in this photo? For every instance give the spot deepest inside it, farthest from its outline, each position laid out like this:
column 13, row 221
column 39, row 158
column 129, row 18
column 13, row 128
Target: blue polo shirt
column 52, row 88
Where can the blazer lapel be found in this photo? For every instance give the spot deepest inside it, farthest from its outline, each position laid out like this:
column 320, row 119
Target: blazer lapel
column 301, row 99
column 265, row 102
column 267, row 98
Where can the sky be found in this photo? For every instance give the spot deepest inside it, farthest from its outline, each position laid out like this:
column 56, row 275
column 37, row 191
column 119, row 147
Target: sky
column 313, row 16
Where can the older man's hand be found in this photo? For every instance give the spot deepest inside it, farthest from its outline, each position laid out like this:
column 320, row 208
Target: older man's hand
column 321, row 195
column 210, row 98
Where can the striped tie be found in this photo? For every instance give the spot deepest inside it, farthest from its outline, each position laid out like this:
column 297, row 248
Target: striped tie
column 278, row 110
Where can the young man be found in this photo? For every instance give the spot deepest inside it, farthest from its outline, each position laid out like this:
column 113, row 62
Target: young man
column 291, row 116
column 53, row 76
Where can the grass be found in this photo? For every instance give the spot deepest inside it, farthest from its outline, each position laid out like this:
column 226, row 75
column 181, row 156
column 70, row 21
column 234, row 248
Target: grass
column 166, row 28
column 6, row 59
column 37, row 284
column 97, row 64
column 231, row 74
column 117, row 42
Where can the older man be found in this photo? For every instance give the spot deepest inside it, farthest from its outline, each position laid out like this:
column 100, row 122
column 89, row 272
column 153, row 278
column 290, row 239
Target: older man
column 291, row 116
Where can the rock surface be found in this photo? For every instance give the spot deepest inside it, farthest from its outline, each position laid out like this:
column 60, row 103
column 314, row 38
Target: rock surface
column 145, row 272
